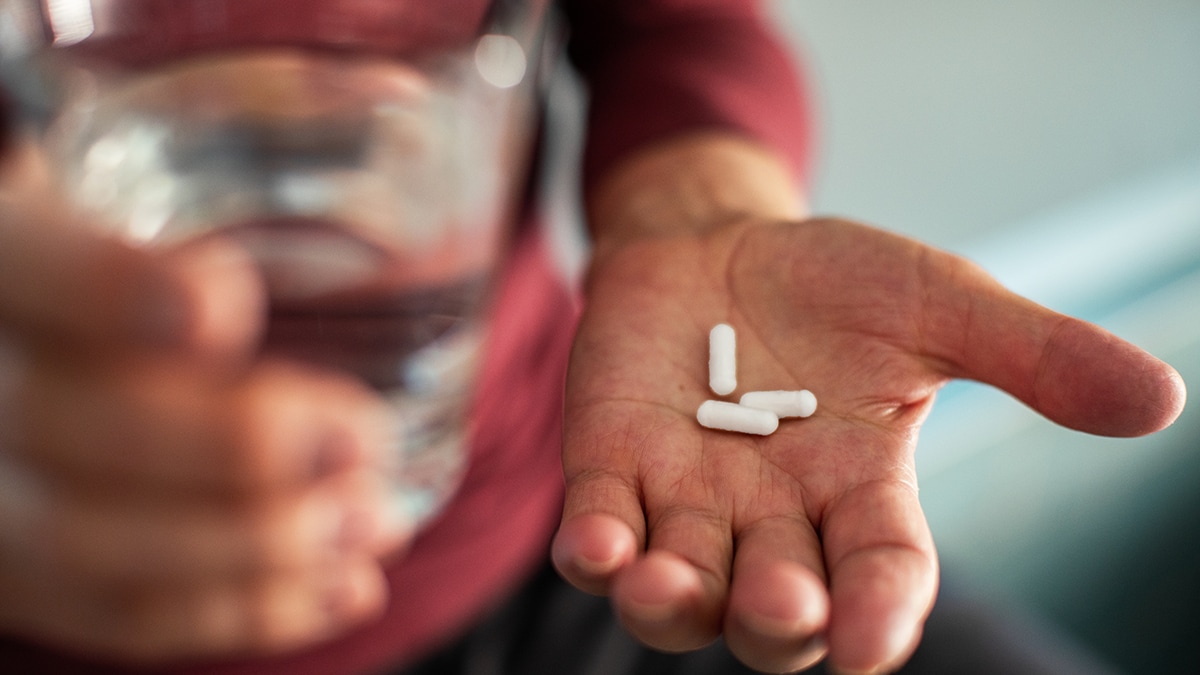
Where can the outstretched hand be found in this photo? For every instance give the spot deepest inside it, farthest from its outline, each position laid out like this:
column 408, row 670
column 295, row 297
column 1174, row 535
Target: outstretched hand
column 811, row 541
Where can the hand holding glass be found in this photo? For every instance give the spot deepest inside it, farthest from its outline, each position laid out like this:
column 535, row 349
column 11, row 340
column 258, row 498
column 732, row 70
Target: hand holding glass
column 374, row 191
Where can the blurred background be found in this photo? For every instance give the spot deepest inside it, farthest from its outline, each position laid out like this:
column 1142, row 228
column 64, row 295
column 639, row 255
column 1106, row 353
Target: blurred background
column 1056, row 142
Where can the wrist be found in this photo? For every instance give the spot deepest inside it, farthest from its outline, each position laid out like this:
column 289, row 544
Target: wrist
column 691, row 184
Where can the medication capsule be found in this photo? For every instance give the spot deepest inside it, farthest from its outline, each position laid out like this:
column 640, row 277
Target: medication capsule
column 733, row 417
column 722, row 359
column 783, row 403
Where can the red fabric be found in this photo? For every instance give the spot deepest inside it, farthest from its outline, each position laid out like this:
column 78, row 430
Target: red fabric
column 656, row 67
column 494, row 532
column 497, row 530
column 660, row 67
column 149, row 31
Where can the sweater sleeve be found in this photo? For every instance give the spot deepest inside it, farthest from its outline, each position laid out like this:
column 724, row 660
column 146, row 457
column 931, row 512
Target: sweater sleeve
column 657, row 68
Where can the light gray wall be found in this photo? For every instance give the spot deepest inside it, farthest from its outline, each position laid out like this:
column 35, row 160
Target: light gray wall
column 943, row 119
column 1058, row 143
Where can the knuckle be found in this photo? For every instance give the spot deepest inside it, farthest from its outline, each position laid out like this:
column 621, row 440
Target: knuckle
column 277, row 538
column 273, row 426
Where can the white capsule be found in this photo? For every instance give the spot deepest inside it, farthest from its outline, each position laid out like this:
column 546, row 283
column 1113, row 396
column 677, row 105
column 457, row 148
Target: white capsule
column 722, row 359
column 733, row 417
column 783, row 403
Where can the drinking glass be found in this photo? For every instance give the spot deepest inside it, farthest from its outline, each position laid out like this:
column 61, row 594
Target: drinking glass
column 368, row 155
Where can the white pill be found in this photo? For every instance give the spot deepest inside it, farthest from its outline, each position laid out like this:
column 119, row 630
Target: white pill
column 733, row 417
column 783, row 403
column 722, row 359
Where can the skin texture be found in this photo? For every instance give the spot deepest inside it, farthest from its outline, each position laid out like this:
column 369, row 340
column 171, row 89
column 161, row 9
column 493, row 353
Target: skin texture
column 811, row 541
column 163, row 494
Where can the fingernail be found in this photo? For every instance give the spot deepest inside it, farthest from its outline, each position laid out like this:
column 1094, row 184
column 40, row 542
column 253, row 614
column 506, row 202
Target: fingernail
column 593, row 546
column 780, row 629
column 598, row 566
column 652, row 612
column 815, row 650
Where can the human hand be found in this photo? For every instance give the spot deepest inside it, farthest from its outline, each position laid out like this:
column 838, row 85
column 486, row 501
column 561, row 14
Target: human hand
column 810, row 541
column 163, row 492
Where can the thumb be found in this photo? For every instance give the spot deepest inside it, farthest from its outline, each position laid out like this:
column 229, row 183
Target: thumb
column 1071, row 371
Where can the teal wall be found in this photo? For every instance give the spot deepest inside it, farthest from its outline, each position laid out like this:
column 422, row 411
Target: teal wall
column 1058, row 143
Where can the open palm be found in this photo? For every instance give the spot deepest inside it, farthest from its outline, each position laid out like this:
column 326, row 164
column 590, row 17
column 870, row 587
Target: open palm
column 810, row 540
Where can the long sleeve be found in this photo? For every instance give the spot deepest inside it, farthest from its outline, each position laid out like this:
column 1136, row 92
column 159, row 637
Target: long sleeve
column 656, row 68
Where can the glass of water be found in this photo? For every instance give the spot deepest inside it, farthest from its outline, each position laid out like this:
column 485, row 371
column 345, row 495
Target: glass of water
column 367, row 155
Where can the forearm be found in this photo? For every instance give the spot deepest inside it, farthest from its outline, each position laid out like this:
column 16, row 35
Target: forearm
column 698, row 114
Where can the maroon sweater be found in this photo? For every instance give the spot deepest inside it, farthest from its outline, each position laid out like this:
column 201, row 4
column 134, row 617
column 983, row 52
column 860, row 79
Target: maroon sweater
column 654, row 68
